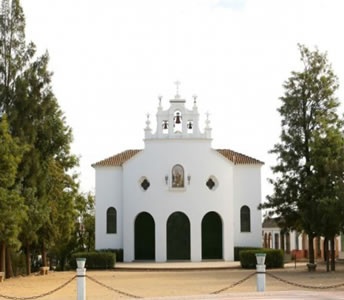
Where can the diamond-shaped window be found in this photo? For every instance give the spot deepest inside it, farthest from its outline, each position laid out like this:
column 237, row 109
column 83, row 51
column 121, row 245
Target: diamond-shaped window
column 210, row 184
column 145, row 184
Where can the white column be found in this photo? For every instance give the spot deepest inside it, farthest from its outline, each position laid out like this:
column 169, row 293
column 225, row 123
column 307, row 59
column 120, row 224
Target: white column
column 81, row 279
column 260, row 271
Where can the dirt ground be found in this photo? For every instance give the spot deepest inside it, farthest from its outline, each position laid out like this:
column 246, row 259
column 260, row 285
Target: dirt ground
column 126, row 284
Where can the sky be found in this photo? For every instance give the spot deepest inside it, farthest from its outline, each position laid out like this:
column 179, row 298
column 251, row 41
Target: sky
column 111, row 60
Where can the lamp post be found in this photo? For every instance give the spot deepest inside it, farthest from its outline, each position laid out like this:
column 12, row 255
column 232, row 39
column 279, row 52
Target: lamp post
column 260, row 267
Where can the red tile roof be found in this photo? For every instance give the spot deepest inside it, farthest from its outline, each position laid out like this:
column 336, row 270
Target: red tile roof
column 116, row 160
column 120, row 158
column 238, row 158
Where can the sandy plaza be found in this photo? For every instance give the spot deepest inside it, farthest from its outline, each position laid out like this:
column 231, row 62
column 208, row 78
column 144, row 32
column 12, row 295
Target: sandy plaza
column 206, row 280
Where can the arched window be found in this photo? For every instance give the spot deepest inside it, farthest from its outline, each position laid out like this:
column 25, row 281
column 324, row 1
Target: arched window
column 177, row 176
column 111, row 220
column 245, row 219
column 287, row 242
column 177, row 122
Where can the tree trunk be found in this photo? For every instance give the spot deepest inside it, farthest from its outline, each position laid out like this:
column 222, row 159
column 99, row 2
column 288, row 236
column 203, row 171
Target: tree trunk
column 326, row 256
column 28, row 259
column 333, row 254
column 310, row 249
column 2, row 256
column 9, row 269
column 44, row 255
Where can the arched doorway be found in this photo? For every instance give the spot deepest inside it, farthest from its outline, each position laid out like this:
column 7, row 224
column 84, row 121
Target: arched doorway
column 144, row 237
column 212, row 236
column 178, row 236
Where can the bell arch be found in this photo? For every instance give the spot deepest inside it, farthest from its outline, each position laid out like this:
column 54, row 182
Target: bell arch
column 144, row 237
column 212, row 244
column 178, row 236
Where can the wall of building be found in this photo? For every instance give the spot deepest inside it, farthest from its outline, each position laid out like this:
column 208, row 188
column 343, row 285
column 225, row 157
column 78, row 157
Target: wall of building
column 108, row 194
column 247, row 191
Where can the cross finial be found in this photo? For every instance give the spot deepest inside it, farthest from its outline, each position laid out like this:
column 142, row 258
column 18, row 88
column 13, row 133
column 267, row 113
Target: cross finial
column 177, row 83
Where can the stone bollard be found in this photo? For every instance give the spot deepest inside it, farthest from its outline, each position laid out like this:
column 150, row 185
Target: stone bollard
column 81, row 278
column 260, row 257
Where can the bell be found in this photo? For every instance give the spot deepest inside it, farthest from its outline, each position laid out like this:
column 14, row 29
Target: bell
column 178, row 119
column 190, row 125
column 165, row 125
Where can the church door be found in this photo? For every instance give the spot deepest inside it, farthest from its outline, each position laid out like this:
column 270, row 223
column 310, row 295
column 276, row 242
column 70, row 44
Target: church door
column 178, row 237
column 212, row 236
column 144, row 237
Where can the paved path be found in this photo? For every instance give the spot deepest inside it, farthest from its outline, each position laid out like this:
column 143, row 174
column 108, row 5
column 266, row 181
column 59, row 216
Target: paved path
column 204, row 265
column 263, row 295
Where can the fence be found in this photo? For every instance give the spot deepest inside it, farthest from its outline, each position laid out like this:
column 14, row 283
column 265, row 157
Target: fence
column 130, row 295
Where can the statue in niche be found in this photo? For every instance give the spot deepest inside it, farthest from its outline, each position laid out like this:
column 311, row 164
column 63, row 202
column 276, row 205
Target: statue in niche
column 177, row 176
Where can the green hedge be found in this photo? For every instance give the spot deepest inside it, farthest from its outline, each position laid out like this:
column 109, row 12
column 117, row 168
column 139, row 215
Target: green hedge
column 95, row 260
column 118, row 252
column 237, row 251
column 274, row 258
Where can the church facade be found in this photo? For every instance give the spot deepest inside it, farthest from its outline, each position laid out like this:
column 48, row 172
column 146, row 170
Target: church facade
column 178, row 198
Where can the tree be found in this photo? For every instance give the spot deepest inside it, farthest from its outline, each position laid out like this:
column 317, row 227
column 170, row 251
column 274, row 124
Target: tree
column 12, row 208
column 85, row 227
column 309, row 170
column 328, row 147
column 36, row 120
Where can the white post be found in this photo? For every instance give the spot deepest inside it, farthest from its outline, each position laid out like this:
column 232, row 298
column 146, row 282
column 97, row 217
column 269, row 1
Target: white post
column 81, row 278
column 260, row 257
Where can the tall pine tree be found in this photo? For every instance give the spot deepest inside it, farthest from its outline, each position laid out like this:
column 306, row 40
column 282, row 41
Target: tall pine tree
column 36, row 120
column 12, row 208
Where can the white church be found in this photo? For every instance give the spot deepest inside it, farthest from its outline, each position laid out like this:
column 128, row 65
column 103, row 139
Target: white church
column 178, row 198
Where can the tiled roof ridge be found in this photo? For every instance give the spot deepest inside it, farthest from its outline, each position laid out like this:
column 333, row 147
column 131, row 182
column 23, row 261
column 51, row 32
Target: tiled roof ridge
column 122, row 157
column 239, row 158
column 117, row 159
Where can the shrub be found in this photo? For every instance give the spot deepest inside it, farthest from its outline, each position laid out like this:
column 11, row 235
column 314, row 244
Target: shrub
column 95, row 260
column 274, row 258
column 118, row 252
column 237, row 251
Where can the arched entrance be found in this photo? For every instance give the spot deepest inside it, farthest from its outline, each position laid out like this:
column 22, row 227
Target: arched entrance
column 178, row 236
column 144, row 237
column 212, row 236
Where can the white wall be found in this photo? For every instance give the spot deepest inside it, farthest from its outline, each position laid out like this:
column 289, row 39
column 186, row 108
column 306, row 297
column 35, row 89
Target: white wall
column 247, row 191
column 120, row 187
column 195, row 200
column 108, row 193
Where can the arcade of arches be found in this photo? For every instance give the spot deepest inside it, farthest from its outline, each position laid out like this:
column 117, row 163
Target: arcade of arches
column 282, row 240
column 178, row 236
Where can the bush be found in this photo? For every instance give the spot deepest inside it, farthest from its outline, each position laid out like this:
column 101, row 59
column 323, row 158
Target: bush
column 274, row 258
column 237, row 251
column 95, row 260
column 118, row 252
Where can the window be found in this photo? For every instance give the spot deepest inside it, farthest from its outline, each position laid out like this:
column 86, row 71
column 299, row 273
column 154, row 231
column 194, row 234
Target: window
column 177, row 176
column 212, row 183
column 189, row 126
column 144, row 183
column 245, row 219
column 111, row 220
column 164, row 126
column 177, row 122
column 287, row 242
column 276, row 246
